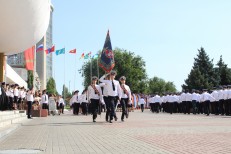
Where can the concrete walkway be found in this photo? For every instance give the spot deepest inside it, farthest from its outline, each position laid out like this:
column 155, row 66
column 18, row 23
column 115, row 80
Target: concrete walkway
column 140, row 133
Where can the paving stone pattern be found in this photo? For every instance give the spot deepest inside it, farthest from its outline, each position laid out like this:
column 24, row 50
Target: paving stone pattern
column 140, row 133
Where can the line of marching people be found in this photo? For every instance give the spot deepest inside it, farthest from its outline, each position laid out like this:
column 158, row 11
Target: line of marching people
column 217, row 101
column 108, row 94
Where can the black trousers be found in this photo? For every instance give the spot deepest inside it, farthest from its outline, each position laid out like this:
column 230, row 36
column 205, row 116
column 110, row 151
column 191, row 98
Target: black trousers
column 171, row 105
column 226, row 104
column 142, row 107
column 84, row 108
column 124, row 105
column 221, row 106
column 29, row 106
column 45, row 106
column 194, row 105
column 76, row 108
column 111, row 106
column 206, row 107
column 95, row 107
column 105, row 98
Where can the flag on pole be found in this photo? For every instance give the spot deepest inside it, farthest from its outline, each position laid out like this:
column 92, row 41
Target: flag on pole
column 106, row 61
column 86, row 56
column 72, row 51
column 40, row 48
column 89, row 54
column 29, row 58
column 82, row 56
column 95, row 56
column 61, row 51
column 49, row 50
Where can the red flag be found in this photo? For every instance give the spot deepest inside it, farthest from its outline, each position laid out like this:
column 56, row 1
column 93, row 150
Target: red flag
column 72, row 51
column 29, row 58
column 49, row 50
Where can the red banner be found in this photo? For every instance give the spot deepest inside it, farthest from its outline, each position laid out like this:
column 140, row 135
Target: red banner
column 29, row 58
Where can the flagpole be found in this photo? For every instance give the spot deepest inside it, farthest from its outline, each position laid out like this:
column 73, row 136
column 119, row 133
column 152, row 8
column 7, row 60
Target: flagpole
column 34, row 69
column 91, row 68
column 98, row 69
column 64, row 76
column 75, row 70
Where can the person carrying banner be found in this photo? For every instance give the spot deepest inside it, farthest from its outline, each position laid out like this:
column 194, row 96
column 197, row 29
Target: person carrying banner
column 125, row 98
column 114, row 91
column 94, row 94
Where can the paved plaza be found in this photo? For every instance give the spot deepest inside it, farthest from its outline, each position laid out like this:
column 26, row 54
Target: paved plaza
column 140, row 133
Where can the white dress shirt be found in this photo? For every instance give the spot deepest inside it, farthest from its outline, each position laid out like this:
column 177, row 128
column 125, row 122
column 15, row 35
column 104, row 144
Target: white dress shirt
column 91, row 92
column 207, row 97
column 157, row 99
column 30, row 96
column 61, row 101
column 16, row 92
column 215, row 95
column 44, row 99
column 141, row 101
column 111, row 92
column 124, row 95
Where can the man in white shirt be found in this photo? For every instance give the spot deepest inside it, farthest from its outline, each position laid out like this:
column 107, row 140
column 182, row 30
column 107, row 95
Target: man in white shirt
column 44, row 101
column 221, row 100
column 114, row 91
column 215, row 104
column 206, row 98
column 30, row 100
column 75, row 103
column 94, row 93
column 157, row 101
column 125, row 98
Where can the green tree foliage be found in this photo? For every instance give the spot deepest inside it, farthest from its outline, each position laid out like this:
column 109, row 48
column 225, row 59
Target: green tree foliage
column 126, row 64
column 65, row 93
column 204, row 75
column 159, row 85
column 30, row 78
column 224, row 72
column 51, row 86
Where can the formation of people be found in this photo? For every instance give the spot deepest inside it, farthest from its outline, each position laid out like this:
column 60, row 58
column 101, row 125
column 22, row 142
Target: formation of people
column 111, row 93
column 107, row 95
column 216, row 101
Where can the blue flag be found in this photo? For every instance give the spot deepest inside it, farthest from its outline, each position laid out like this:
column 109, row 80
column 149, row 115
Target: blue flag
column 61, row 51
column 106, row 61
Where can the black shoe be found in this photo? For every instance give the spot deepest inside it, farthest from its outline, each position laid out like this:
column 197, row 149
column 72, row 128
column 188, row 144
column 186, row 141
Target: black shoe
column 30, row 118
column 94, row 120
column 122, row 120
column 107, row 120
column 110, row 121
column 126, row 115
column 116, row 118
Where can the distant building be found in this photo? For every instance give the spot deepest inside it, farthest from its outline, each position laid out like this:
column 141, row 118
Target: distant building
column 43, row 62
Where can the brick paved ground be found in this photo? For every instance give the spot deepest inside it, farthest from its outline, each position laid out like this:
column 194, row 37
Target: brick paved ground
column 140, row 133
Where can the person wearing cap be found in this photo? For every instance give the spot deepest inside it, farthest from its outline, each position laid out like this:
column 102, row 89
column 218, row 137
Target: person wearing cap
column 44, row 101
column 206, row 98
column 105, row 97
column 125, row 97
column 114, row 91
column 156, row 102
column 84, row 102
column 221, row 100
column 94, row 94
column 75, row 102
column 215, row 104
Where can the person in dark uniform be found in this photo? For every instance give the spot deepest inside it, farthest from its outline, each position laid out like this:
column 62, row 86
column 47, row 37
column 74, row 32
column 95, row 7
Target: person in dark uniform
column 114, row 92
column 125, row 98
column 94, row 94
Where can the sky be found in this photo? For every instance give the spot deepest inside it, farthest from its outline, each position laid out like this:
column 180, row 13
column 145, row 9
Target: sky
column 165, row 33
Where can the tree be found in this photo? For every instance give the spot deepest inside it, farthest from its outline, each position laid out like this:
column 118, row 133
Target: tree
column 65, row 92
column 159, row 85
column 203, row 66
column 224, row 72
column 30, row 78
column 51, row 86
column 126, row 64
